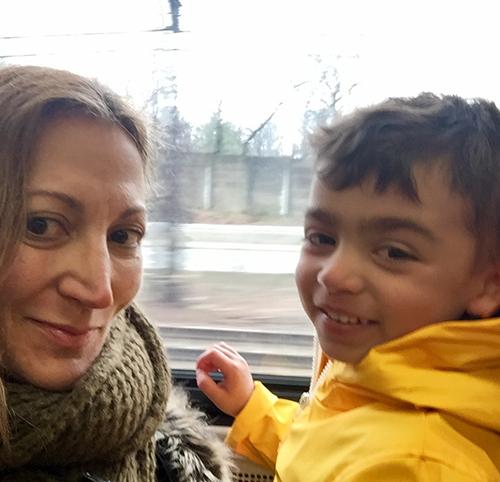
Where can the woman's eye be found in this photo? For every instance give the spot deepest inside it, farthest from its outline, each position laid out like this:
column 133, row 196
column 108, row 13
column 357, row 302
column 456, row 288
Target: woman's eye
column 37, row 226
column 130, row 238
column 319, row 239
column 40, row 227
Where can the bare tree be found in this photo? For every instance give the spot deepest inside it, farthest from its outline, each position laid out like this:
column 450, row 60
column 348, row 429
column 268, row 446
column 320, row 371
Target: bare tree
column 325, row 99
column 173, row 137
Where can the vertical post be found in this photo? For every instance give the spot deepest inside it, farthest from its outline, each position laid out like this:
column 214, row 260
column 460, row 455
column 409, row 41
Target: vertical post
column 208, row 184
column 174, row 13
column 286, row 179
column 251, row 175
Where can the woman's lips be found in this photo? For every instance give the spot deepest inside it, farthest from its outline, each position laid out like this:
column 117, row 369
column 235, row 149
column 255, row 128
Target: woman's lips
column 65, row 336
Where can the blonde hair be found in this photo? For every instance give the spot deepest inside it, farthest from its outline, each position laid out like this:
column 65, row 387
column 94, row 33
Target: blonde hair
column 30, row 97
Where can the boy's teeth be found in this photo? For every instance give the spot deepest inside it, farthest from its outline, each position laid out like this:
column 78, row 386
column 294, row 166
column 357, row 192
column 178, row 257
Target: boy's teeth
column 347, row 320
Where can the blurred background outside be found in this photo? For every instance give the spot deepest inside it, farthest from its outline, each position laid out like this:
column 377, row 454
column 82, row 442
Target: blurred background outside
column 232, row 89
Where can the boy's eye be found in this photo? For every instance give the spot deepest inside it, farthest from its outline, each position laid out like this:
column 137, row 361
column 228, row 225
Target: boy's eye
column 397, row 254
column 320, row 239
column 41, row 228
column 130, row 238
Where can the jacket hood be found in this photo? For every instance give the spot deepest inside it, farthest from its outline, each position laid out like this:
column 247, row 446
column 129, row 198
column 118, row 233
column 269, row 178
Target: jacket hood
column 453, row 367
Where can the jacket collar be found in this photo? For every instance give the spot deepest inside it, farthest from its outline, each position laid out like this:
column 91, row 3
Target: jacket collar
column 452, row 367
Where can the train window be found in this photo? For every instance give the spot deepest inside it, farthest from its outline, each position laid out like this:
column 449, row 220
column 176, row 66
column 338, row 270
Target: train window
column 233, row 88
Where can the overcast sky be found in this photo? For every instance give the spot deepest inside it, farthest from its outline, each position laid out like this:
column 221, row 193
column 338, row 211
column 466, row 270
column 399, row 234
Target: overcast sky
column 386, row 47
column 250, row 54
column 402, row 47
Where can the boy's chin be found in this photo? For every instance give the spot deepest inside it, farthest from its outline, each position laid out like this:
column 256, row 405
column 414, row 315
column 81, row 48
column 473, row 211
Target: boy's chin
column 350, row 355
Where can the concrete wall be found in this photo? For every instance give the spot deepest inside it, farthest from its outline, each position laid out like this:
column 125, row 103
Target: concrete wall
column 270, row 189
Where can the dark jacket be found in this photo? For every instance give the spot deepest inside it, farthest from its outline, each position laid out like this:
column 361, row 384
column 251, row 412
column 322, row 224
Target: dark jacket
column 186, row 448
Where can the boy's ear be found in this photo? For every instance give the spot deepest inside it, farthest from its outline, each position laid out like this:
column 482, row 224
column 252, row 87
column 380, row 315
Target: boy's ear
column 487, row 300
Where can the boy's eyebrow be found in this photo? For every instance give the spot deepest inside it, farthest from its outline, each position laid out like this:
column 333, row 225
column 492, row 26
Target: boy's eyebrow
column 381, row 224
column 394, row 224
column 320, row 215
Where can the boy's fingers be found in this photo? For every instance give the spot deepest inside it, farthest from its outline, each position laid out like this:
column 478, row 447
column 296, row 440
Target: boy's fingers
column 228, row 349
column 211, row 389
column 205, row 382
column 231, row 353
column 232, row 391
column 216, row 360
column 233, row 356
column 205, row 363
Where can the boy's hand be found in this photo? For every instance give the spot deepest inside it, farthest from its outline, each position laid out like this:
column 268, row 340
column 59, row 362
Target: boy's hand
column 232, row 393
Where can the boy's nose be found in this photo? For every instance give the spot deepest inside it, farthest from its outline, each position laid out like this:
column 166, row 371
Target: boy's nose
column 341, row 272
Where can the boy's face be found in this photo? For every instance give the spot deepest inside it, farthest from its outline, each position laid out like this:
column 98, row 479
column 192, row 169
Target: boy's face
column 374, row 267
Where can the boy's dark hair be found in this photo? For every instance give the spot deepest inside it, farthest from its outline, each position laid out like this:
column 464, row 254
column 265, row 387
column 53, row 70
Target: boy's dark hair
column 387, row 140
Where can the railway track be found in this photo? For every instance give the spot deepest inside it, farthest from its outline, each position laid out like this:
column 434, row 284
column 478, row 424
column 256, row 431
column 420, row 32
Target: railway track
column 269, row 352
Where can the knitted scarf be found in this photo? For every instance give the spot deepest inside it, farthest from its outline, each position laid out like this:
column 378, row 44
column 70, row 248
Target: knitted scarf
column 105, row 425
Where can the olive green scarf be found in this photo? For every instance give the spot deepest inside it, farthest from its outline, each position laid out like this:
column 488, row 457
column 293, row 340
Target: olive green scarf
column 105, row 425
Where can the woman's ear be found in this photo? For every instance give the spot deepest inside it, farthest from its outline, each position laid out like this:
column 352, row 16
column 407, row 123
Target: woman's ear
column 487, row 301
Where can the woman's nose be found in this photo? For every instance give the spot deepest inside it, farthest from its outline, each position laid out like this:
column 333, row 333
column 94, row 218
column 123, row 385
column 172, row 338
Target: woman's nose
column 342, row 272
column 87, row 277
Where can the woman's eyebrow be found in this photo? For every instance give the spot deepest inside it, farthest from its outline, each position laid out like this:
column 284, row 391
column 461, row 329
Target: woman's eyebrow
column 139, row 209
column 76, row 205
column 65, row 198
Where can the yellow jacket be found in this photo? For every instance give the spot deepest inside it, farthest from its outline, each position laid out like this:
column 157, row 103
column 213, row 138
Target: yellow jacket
column 421, row 408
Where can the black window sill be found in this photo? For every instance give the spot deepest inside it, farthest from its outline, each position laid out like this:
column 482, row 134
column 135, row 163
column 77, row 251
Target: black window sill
column 290, row 388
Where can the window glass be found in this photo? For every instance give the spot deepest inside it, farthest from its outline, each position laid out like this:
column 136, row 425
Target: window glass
column 233, row 88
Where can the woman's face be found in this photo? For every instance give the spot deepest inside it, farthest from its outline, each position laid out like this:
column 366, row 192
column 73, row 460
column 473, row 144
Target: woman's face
column 80, row 260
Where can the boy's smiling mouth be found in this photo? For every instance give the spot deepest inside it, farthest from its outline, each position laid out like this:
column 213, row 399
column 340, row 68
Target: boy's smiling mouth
column 344, row 319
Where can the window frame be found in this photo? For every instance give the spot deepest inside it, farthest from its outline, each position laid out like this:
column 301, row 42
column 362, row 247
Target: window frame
column 288, row 387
